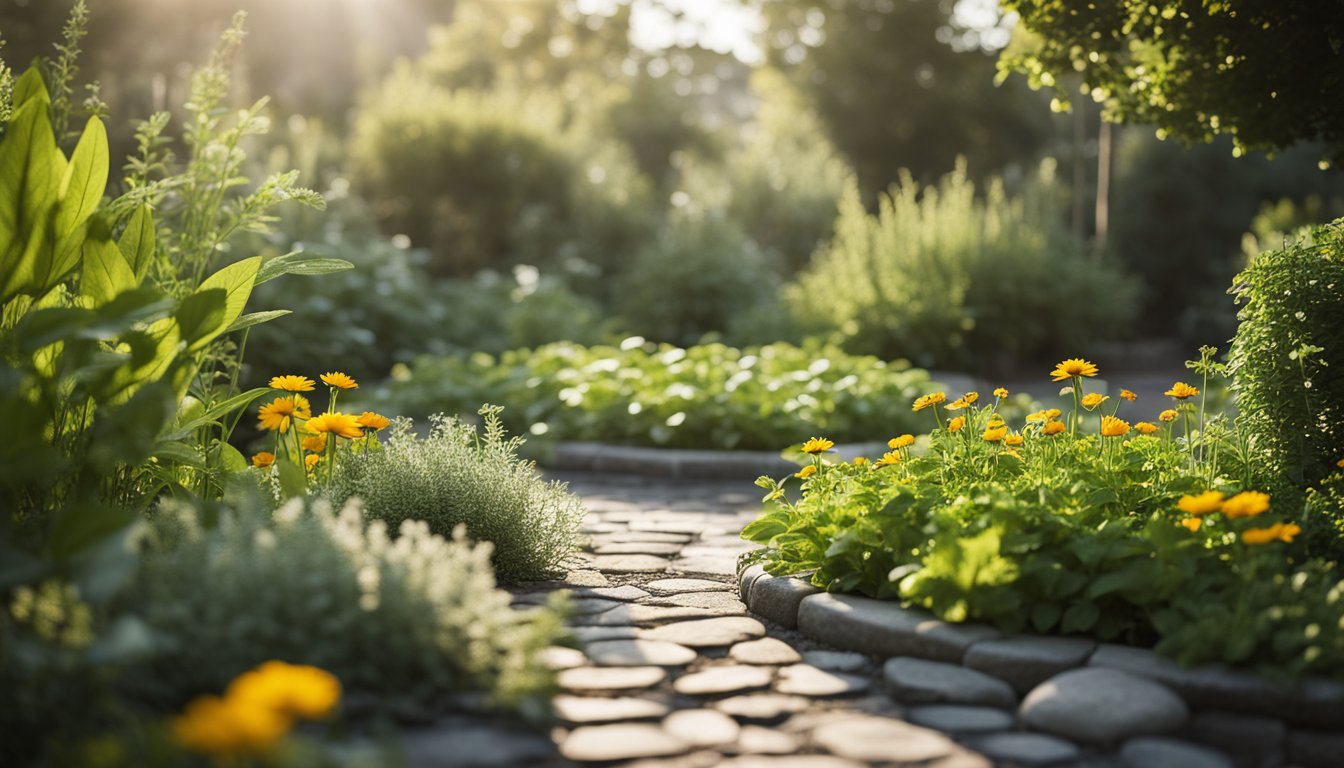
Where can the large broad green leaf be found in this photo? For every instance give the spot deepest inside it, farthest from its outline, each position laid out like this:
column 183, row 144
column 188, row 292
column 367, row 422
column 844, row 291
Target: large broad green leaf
column 30, row 86
column 237, row 281
column 299, row 263
column 85, row 179
column 163, row 338
column 31, row 169
column 138, row 243
column 293, row 479
column 200, row 314
column 256, row 318
column 106, row 274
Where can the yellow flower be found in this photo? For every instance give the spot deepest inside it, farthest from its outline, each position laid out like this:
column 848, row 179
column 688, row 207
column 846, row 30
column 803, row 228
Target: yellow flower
column 806, row 472
column 1000, row 393
column 1167, row 416
column 957, row 405
column 293, row 383
column 1013, row 439
column 1013, row 453
column 1246, row 504
column 971, row 397
column 339, row 424
column 1113, row 427
column 956, row 424
column 1071, row 368
column 816, row 445
column 228, row 727
column 995, row 419
column 928, row 400
column 1202, row 504
column 859, row 461
column 1275, row 532
column 373, row 421
column 995, row 434
column 338, row 380
column 1053, row 413
column 1125, row 394
column 904, row 441
column 1340, row 463
column 279, row 413
column 316, row 443
column 1146, row 427
column 888, row 459
column 1037, row 416
column 290, row 689
column 1093, row 400
column 311, row 460
column 1052, row 428
column 1180, row 390
column 1192, row 523
column 263, row 459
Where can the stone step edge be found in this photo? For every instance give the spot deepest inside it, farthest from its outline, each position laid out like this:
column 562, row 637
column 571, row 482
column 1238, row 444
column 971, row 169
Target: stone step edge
column 1316, row 703
column 685, row 463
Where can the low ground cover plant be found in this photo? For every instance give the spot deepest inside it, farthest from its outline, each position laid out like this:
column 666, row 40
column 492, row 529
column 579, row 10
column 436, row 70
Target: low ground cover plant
column 705, row 396
column 1103, row 516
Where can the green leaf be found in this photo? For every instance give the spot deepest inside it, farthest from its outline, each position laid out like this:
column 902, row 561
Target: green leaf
column 1080, row 617
column 1044, row 616
column 106, row 273
column 237, row 280
column 209, row 416
column 28, row 87
column 85, row 179
column 138, row 242
column 297, row 263
column 231, row 459
column 256, row 318
column 31, row 168
column 180, row 452
column 200, row 313
column 764, row 528
column 293, row 479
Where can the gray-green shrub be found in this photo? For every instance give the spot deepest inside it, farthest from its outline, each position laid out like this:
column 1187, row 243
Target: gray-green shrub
column 415, row 618
column 456, row 475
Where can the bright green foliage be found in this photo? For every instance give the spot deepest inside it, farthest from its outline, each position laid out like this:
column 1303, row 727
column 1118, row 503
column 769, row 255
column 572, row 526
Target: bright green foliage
column 707, row 396
column 942, row 277
column 410, row 619
column 1288, row 363
column 1262, row 71
column 456, row 476
column 1068, row 534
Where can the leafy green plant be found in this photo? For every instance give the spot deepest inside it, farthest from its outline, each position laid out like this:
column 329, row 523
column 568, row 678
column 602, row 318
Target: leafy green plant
column 942, row 277
column 456, row 476
column 706, row 396
column 1288, row 362
column 1075, row 521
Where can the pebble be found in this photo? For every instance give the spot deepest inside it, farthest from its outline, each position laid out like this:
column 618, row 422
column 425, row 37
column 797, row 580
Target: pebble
column 836, row 661
column 807, row 680
column 585, row 709
column 557, row 658
column 702, row 727
column 627, row 613
column 634, row 653
column 1102, row 705
column 598, row 634
column 708, row 633
column 794, row 761
column 953, row 718
column 882, row 739
column 920, row 681
column 723, row 679
column 1025, row 748
column 682, row 586
column 610, row 678
column 722, row 603
column 766, row 650
column 763, row 707
column 1026, row 661
column 1152, row 752
column 621, row 741
column 755, row 740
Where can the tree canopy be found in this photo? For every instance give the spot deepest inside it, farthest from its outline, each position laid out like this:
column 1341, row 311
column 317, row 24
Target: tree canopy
column 1269, row 73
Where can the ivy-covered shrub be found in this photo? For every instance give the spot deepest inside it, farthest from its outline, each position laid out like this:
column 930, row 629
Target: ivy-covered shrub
column 456, row 476
column 413, row 618
column 706, row 396
column 1287, row 360
column 1104, row 517
column 943, row 277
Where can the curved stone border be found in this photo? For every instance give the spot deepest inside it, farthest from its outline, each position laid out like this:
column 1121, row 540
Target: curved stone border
column 927, row 659
column 684, row 463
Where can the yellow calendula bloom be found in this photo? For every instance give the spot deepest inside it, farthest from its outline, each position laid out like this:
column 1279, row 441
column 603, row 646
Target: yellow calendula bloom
column 1052, row 428
column 1013, row 453
column 292, row 689
column 338, row 380
column 1037, row 416
column 1113, row 427
column 859, row 461
column 816, row 445
column 227, row 727
column 995, row 434
column 957, row 405
column 339, row 424
column 1340, row 463
column 1180, row 390
column 1146, row 427
column 1246, row 504
column 1125, row 394
column 1071, row 368
column 1201, row 504
column 311, row 460
column 278, row 414
column 316, row 443
column 374, row 421
column 1276, row 532
column 293, row 383
column 971, row 397
column 1167, row 416
column 1092, row 400
column 1192, row 523
column 888, row 459
column 904, row 441
column 806, row 472
column 928, row 401
column 263, row 459
column 1012, row 439
column 1000, row 393
column 1053, row 413
column 956, row 424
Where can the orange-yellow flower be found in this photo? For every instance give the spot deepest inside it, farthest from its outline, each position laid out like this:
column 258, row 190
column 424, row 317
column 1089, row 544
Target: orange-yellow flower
column 293, row 383
column 1276, row 532
column 957, row 405
column 1246, row 504
column 995, row 434
column 971, row 397
column 1340, row 463
column 816, row 445
column 956, row 424
column 1071, row 368
column 1167, row 416
column 1013, row 453
column 1192, row 523
column 888, row 459
column 859, row 461
column 311, row 460
column 1113, row 427
column 904, row 441
column 279, row 413
column 1052, row 428
column 339, row 424
column 291, row 689
column 1146, row 427
column 1201, row 504
column 263, row 459
column 228, row 727
column 1000, row 393
column 1012, row 439
column 1125, row 394
column 374, row 421
column 806, row 472
column 1180, row 390
column 928, row 400
column 338, row 380
column 316, row 443
column 1092, row 400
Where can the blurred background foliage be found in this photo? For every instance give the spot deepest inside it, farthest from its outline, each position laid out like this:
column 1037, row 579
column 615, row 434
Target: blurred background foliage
column 509, row 174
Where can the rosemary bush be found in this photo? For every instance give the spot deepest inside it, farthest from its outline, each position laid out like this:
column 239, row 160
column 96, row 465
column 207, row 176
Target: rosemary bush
column 457, row 476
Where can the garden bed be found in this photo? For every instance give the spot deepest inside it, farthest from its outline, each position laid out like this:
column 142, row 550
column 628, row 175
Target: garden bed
column 682, row 463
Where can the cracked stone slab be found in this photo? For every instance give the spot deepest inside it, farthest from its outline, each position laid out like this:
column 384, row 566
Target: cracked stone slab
column 766, row 650
column 683, row 586
column 882, row 628
column 721, row 603
column 625, row 537
column 629, row 564
column 707, row 633
column 807, row 680
column 702, row 727
column 638, row 548
column 715, row 566
column 882, row 739
column 719, row 680
column 622, row 741
column 581, row 710
column 610, row 678
column 1101, row 705
column 919, row 681
column 639, row 614
column 635, row 653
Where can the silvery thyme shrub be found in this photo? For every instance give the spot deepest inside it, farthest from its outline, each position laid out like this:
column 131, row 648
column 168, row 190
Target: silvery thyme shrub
column 408, row 619
column 456, row 475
